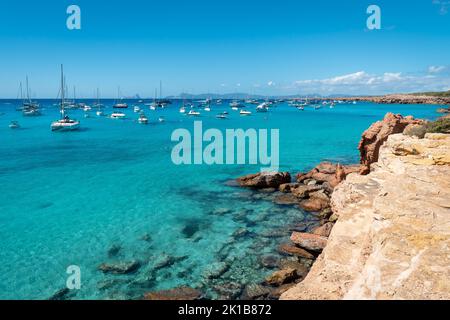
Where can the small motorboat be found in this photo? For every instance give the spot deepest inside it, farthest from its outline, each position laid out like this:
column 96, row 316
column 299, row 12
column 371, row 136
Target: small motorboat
column 120, row 106
column 182, row 110
column 221, row 116
column 161, row 119
column 245, row 113
column 235, row 108
column 207, row 109
column 87, row 108
column 14, row 125
column 193, row 113
column 137, row 109
column 300, row 108
column 99, row 113
column 118, row 115
column 263, row 107
column 87, row 115
column 143, row 119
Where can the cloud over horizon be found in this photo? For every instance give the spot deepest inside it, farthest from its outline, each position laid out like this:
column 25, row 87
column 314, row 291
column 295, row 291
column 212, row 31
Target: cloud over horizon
column 437, row 78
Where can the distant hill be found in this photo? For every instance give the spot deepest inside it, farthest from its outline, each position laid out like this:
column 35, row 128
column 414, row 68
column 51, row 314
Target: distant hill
column 433, row 94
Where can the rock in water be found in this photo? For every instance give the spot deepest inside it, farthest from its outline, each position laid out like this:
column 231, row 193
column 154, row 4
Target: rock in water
column 294, row 251
column 373, row 138
column 255, row 291
column 309, row 241
column 120, row 267
column 282, row 276
column 181, row 293
column 264, row 180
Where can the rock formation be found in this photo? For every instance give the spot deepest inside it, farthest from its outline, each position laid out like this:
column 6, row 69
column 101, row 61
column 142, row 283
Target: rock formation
column 374, row 137
column 392, row 236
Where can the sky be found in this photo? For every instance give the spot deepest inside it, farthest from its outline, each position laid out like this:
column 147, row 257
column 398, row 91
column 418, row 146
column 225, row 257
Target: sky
column 283, row 47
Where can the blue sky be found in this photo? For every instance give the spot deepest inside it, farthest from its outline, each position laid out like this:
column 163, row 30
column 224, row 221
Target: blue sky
column 261, row 47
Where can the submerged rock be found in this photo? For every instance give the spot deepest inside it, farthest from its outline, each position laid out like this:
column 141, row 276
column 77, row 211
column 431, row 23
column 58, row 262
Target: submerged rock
column 60, row 294
column 286, row 199
column 181, row 293
column 114, row 250
column 269, row 261
column 120, row 267
column 215, row 270
column 255, row 291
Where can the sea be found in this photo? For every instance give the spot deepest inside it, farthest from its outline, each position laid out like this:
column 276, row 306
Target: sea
column 110, row 193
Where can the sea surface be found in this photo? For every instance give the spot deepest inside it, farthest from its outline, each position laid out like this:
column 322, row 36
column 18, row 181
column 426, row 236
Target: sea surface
column 110, row 193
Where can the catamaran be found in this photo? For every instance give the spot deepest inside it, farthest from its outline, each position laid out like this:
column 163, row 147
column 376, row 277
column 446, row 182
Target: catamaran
column 65, row 123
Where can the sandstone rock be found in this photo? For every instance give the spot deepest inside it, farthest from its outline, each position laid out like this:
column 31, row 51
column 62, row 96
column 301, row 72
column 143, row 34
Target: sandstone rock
column 277, row 292
column 264, row 180
column 314, row 204
column 294, row 251
column 374, row 137
column 392, row 237
column 287, row 187
column 181, row 293
column 281, row 277
column 303, row 191
column 300, row 268
column 309, row 241
column 324, row 230
column 120, row 267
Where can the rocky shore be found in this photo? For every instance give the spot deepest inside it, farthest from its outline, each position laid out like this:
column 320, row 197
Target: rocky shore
column 384, row 229
column 401, row 99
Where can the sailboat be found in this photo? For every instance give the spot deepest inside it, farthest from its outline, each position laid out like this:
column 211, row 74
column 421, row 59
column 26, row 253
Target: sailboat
column 65, row 123
column 98, row 105
column 143, row 118
column 263, row 107
column 30, row 108
column 119, row 105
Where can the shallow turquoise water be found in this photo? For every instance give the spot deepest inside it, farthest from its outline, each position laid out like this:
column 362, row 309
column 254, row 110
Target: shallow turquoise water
column 67, row 198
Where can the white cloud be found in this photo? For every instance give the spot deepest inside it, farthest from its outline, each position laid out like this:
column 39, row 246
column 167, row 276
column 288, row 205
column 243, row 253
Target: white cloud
column 362, row 82
column 238, row 84
column 271, row 84
column 436, row 69
column 444, row 6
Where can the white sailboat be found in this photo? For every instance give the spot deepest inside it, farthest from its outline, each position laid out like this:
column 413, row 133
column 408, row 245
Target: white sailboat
column 121, row 104
column 65, row 123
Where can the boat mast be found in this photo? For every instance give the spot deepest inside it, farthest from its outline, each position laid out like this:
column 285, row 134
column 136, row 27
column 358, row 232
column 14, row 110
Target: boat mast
column 28, row 91
column 62, row 92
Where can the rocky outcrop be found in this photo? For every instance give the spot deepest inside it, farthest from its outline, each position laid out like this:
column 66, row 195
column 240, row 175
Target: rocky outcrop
column 374, row 137
column 392, row 236
column 181, row 293
column 264, row 180
column 400, row 99
column 309, row 241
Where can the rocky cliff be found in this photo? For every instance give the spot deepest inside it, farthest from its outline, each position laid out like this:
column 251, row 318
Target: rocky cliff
column 392, row 236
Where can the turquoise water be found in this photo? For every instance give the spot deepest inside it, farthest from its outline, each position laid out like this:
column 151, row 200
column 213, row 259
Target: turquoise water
column 67, row 198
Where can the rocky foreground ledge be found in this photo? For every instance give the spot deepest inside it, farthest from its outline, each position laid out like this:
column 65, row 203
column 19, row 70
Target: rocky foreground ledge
column 392, row 235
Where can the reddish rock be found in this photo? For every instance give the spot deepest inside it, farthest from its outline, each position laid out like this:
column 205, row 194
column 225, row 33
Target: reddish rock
column 315, row 204
column 324, row 230
column 264, row 180
column 309, row 241
column 181, row 293
column 295, row 251
column 303, row 191
column 374, row 137
column 287, row 187
column 281, row 277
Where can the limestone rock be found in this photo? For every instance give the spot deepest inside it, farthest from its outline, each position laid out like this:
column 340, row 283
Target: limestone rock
column 309, row 241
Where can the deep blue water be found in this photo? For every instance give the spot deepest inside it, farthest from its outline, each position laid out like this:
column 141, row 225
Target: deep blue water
column 67, row 198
